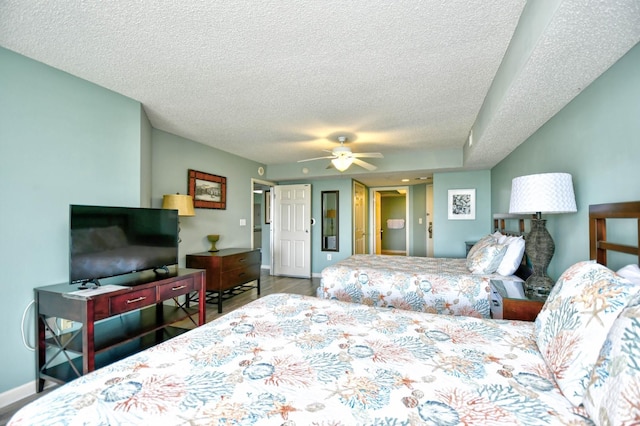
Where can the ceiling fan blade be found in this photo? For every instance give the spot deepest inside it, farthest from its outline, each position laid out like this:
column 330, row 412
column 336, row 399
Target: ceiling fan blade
column 364, row 164
column 316, row 158
column 368, row 155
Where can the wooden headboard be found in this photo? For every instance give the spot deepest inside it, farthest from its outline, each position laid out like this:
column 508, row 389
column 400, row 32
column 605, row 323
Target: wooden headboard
column 500, row 223
column 598, row 215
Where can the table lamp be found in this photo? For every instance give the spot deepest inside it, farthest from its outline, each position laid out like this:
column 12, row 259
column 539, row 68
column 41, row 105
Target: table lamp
column 547, row 193
column 180, row 202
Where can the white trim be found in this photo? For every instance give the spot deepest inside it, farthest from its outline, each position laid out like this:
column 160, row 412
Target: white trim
column 16, row 394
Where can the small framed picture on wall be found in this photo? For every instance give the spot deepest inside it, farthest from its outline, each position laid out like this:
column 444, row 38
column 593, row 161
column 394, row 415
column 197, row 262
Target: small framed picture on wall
column 461, row 204
column 208, row 191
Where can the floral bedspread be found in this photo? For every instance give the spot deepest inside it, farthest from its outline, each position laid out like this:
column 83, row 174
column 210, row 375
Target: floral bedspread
column 425, row 284
column 298, row 360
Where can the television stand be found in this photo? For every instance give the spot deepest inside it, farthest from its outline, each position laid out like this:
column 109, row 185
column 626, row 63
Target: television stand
column 95, row 282
column 114, row 322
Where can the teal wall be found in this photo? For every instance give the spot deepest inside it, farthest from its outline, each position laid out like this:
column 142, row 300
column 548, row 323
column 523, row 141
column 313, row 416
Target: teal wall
column 596, row 139
column 62, row 141
column 449, row 236
column 172, row 157
column 345, row 218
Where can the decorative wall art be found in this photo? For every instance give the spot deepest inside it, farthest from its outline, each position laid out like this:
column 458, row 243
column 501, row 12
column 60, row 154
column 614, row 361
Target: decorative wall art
column 462, row 204
column 208, row 191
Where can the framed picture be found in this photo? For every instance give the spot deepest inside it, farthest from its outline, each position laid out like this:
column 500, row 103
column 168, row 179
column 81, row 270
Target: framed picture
column 462, row 204
column 208, row 191
column 267, row 206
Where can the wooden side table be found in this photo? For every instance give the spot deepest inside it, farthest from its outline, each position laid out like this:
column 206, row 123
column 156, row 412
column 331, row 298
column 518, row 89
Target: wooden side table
column 228, row 271
column 509, row 302
column 468, row 245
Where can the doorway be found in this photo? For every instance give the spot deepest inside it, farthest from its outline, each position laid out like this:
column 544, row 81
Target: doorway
column 359, row 219
column 260, row 219
column 390, row 220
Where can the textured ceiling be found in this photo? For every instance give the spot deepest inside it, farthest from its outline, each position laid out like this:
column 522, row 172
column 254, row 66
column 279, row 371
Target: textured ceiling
column 272, row 80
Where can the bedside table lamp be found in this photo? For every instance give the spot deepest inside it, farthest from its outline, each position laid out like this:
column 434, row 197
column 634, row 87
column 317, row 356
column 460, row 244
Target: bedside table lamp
column 547, row 193
column 182, row 203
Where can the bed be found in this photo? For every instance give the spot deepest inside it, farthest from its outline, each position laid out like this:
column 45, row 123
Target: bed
column 437, row 285
column 299, row 360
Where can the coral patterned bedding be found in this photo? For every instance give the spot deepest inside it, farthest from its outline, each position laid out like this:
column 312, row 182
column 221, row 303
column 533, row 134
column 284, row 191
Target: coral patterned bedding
column 424, row 284
column 299, row 360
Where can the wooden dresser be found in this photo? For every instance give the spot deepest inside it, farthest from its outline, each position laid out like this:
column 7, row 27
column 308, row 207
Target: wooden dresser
column 228, row 270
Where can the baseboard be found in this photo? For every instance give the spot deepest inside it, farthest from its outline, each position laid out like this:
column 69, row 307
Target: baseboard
column 16, row 394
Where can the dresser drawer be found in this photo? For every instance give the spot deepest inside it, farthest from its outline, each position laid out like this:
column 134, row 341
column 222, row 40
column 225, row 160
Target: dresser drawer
column 240, row 260
column 133, row 300
column 239, row 276
column 177, row 288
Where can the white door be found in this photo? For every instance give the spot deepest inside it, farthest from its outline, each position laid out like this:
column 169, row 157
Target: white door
column 359, row 219
column 291, row 223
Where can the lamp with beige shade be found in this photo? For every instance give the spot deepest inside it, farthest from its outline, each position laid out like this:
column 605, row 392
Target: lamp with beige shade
column 180, row 202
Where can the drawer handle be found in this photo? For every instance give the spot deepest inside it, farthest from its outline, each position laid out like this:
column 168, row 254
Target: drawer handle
column 178, row 288
column 138, row 299
column 242, row 260
column 242, row 273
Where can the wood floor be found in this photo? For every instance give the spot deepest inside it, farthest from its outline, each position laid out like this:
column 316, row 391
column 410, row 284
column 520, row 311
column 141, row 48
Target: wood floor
column 268, row 285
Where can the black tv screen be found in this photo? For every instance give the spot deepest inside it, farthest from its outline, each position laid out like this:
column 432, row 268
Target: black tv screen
column 109, row 241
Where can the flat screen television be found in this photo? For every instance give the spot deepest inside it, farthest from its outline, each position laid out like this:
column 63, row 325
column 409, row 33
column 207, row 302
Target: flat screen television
column 110, row 241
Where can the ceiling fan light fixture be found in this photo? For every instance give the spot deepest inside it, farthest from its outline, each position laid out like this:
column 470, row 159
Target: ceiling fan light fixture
column 342, row 162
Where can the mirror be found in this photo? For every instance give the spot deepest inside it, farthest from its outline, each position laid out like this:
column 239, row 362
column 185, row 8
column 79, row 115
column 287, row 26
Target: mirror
column 330, row 220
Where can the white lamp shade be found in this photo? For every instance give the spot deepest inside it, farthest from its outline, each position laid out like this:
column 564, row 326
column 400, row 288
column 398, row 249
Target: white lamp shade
column 180, row 202
column 542, row 193
column 342, row 163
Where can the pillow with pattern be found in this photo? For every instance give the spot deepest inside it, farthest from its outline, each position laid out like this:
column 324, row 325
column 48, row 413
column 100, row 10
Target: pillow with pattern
column 613, row 393
column 486, row 259
column 482, row 242
column 575, row 320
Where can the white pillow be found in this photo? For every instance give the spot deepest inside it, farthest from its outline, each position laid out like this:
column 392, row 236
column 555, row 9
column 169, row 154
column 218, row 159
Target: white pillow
column 513, row 257
column 630, row 272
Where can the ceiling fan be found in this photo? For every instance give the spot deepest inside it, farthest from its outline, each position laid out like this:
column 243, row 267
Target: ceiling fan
column 342, row 157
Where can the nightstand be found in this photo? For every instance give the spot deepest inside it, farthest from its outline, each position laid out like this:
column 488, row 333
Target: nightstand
column 509, row 302
column 468, row 245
